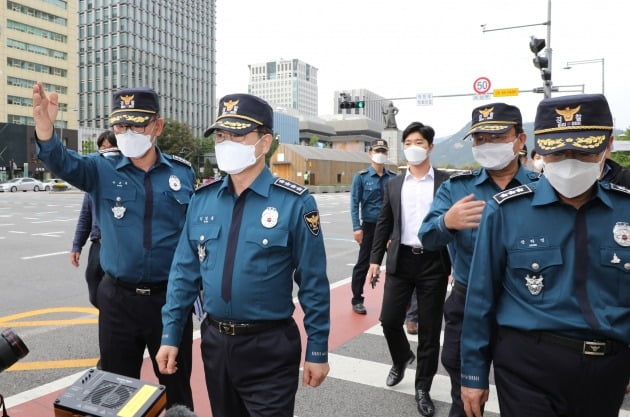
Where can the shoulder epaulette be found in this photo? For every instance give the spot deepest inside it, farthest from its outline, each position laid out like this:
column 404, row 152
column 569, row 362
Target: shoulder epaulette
column 619, row 188
column 461, row 174
column 521, row 190
column 290, row 186
column 363, row 171
column 181, row 160
column 208, row 184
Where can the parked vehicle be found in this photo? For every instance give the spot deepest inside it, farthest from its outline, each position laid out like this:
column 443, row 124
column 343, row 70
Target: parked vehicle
column 22, row 184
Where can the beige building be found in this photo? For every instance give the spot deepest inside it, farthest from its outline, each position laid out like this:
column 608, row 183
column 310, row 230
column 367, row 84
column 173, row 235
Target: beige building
column 39, row 43
column 309, row 165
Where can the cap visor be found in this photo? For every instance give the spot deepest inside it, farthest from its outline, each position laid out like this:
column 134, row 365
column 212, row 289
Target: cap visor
column 131, row 118
column 236, row 126
column 589, row 141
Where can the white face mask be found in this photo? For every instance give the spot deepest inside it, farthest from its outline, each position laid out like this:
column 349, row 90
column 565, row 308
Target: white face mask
column 132, row 144
column 494, row 156
column 539, row 164
column 572, row 177
column 415, row 155
column 379, row 158
column 234, row 158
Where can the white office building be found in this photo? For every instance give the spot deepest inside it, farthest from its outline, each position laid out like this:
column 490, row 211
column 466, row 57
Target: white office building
column 289, row 84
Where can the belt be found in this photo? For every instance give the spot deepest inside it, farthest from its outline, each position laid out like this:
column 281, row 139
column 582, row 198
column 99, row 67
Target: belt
column 417, row 250
column 459, row 287
column 139, row 288
column 586, row 347
column 236, row 328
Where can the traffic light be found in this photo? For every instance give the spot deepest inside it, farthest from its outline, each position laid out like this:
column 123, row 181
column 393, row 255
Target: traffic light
column 541, row 62
column 346, row 104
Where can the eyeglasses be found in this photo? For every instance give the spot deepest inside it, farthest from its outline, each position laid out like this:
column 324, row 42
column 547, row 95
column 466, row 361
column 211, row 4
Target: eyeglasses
column 223, row 136
column 573, row 154
column 122, row 128
column 479, row 138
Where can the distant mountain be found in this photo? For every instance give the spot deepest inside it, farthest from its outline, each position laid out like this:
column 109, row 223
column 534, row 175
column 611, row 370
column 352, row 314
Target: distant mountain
column 457, row 153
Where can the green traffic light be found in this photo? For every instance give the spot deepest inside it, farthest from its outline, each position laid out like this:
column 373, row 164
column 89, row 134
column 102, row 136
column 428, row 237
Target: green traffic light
column 360, row 104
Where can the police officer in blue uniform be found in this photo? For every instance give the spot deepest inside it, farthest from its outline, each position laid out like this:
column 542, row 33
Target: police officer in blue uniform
column 549, row 287
column 140, row 199
column 497, row 136
column 366, row 200
column 246, row 240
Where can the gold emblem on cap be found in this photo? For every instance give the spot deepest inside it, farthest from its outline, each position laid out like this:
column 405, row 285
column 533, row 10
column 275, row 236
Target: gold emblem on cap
column 229, row 105
column 126, row 100
column 590, row 142
column 486, row 112
column 568, row 113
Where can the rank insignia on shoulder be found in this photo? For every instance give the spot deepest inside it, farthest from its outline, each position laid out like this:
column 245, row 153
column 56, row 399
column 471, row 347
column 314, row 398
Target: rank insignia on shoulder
column 312, row 222
column 181, row 160
column 207, row 185
column 290, row 186
column 461, row 174
column 512, row 192
column 619, row 188
column 363, row 171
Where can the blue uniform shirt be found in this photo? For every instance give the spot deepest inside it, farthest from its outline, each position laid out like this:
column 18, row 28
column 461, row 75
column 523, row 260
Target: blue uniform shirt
column 279, row 242
column 141, row 214
column 523, row 272
column 86, row 226
column 366, row 196
column 434, row 234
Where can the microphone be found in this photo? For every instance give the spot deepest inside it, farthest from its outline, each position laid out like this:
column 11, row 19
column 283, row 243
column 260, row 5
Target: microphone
column 179, row 411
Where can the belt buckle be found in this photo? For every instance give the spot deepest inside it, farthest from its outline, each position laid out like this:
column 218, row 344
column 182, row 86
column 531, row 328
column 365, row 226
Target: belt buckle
column 593, row 348
column 143, row 291
column 417, row 251
column 227, row 328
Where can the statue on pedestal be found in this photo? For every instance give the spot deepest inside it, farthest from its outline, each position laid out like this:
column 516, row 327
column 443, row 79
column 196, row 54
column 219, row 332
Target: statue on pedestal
column 390, row 116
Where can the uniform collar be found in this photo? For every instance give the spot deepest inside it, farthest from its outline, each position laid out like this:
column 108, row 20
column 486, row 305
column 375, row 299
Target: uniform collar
column 523, row 175
column 260, row 186
column 161, row 159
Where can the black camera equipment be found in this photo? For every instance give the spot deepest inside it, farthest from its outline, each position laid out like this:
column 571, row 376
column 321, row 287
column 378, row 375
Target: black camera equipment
column 12, row 349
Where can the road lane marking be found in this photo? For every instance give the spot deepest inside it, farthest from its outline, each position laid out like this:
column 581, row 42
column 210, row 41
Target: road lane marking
column 44, row 255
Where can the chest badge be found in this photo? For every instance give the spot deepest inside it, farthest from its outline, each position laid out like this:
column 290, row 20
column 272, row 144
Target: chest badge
column 621, row 233
column 269, row 217
column 534, row 284
column 174, row 183
column 119, row 211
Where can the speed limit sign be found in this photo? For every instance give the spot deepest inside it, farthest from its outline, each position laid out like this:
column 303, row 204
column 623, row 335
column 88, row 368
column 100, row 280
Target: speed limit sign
column 482, row 85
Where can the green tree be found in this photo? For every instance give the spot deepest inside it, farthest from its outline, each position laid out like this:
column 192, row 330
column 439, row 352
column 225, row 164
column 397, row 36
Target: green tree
column 88, row 147
column 622, row 157
column 313, row 141
column 274, row 145
column 177, row 139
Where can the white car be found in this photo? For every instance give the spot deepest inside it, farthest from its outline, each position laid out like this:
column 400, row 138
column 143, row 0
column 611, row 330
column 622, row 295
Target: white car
column 22, row 184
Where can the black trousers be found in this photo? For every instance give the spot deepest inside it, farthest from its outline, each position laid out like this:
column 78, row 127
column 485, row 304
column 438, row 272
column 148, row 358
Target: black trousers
column 128, row 323
column 428, row 274
column 254, row 375
column 537, row 378
column 453, row 319
column 93, row 271
column 363, row 262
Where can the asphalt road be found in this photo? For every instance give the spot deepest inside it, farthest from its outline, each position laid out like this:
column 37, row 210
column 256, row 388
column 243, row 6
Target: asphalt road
column 44, row 299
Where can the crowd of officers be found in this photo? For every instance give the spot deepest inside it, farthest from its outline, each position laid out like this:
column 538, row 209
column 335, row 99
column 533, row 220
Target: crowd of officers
column 540, row 263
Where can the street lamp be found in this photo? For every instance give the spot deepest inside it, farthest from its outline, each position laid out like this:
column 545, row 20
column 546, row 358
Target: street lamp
column 589, row 61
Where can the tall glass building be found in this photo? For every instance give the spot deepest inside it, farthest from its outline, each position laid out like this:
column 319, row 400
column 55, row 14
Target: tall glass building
column 288, row 84
column 164, row 44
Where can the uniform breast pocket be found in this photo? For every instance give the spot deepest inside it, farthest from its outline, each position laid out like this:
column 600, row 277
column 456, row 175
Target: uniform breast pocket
column 120, row 205
column 533, row 274
column 615, row 263
column 204, row 238
column 265, row 248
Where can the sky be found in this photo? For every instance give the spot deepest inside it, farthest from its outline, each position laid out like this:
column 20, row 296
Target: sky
column 401, row 48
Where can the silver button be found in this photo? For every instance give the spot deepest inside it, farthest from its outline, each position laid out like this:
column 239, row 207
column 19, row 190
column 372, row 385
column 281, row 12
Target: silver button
column 202, row 238
column 626, row 266
column 535, row 266
column 265, row 242
column 118, row 198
